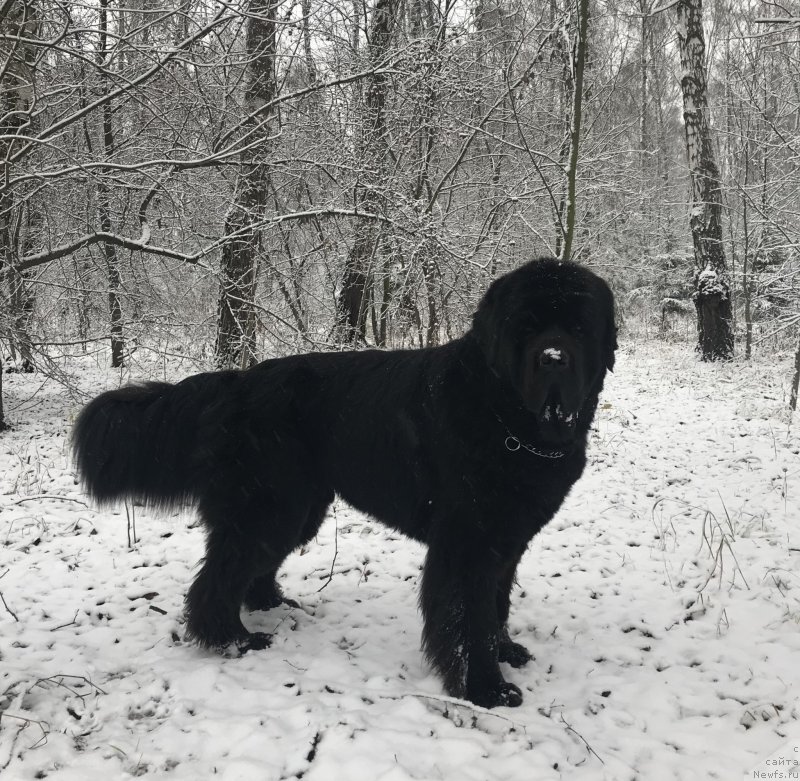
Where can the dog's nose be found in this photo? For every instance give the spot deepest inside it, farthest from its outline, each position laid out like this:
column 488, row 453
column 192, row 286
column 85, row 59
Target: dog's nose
column 554, row 358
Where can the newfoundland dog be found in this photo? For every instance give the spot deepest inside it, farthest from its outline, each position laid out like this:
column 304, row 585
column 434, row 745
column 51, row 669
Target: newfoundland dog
column 469, row 448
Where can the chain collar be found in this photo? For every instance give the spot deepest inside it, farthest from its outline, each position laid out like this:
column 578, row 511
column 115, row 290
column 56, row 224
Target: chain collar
column 513, row 444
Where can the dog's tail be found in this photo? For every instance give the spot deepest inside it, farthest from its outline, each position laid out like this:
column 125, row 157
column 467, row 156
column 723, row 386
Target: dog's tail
column 145, row 442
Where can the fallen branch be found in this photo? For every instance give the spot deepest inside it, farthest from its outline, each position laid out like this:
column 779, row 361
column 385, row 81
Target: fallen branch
column 5, row 605
column 571, row 729
column 49, row 496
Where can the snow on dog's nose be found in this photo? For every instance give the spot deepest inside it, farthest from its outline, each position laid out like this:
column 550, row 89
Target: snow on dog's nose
column 554, row 358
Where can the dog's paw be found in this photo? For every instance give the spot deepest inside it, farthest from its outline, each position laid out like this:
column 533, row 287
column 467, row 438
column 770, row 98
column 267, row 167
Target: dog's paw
column 513, row 653
column 265, row 596
column 502, row 694
column 252, row 603
column 255, row 641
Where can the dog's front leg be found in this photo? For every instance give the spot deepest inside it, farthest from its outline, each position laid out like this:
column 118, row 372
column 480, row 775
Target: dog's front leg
column 460, row 635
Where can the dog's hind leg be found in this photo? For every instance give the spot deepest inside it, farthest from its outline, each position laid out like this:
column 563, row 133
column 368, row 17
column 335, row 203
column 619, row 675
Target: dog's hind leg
column 215, row 596
column 247, row 534
column 264, row 592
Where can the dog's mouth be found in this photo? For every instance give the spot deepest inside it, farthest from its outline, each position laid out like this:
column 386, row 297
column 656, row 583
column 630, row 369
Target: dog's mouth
column 553, row 412
column 557, row 419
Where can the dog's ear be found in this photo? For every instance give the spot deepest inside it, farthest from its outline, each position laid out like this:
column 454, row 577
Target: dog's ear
column 488, row 322
column 610, row 338
column 611, row 344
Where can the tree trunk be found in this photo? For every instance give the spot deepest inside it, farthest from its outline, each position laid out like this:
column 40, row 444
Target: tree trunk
column 104, row 200
column 18, row 56
column 712, row 296
column 430, row 275
column 566, row 104
column 796, row 377
column 308, row 50
column 3, row 424
column 351, row 319
column 423, row 29
column 21, row 305
column 578, row 66
column 236, row 314
column 747, row 283
column 644, row 102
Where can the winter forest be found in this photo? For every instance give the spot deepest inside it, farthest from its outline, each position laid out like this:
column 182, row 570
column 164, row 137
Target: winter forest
column 252, row 179
column 191, row 185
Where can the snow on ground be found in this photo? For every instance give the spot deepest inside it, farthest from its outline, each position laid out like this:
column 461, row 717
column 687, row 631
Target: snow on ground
column 662, row 606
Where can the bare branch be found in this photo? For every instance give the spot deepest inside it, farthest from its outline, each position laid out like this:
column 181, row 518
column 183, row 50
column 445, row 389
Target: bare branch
column 31, row 261
column 142, row 78
column 141, row 244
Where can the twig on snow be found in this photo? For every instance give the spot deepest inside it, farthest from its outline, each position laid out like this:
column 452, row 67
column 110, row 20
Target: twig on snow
column 335, row 552
column 130, row 513
column 571, row 729
column 5, row 605
column 26, row 722
column 58, row 680
column 69, row 623
column 49, row 496
column 477, row 710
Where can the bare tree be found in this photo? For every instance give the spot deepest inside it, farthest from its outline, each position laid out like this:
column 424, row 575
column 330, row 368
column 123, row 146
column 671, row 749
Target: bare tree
column 236, row 323
column 17, row 217
column 373, row 150
column 104, row 194
column 795, row 379
column 577, row 63
column 712, row 294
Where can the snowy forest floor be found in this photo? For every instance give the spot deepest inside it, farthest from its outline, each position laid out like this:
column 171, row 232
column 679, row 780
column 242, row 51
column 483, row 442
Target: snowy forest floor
column 662, row 606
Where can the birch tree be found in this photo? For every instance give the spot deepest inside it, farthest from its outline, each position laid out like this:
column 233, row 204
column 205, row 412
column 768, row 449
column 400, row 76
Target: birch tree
column 712, row 295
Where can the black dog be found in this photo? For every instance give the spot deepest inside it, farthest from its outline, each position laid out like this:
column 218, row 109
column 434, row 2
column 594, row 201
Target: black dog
column 470, row 448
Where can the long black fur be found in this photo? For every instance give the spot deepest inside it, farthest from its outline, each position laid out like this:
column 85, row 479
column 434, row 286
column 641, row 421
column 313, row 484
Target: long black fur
column 470, row 448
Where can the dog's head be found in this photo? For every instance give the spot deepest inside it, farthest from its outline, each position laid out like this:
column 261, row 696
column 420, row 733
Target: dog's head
column 547, row 330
